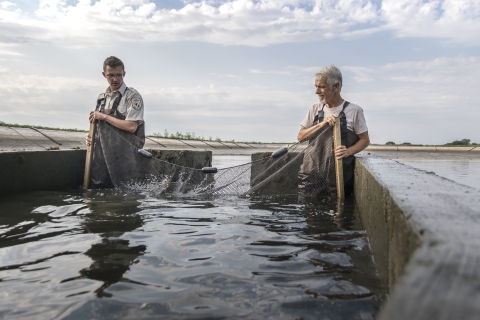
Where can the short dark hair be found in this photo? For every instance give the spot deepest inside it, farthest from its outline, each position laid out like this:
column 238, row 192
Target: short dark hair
column 113, row 62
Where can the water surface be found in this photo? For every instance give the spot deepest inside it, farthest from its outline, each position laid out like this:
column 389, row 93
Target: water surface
column 112, row 254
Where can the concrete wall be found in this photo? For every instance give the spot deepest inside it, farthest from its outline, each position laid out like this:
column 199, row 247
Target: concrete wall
column 62, row 169
column 424, row 232
column 41, row 170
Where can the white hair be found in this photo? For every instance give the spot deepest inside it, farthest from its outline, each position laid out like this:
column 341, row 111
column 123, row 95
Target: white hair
column 333, row 75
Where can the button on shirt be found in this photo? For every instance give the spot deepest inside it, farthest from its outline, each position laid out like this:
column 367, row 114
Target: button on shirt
column 131, row 104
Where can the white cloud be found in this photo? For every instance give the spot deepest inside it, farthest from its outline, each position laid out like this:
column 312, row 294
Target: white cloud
column 10, row 53
column 429, row 101
column 43, row 96
column 361, row 74
column 455, row 20
column 238, row 22
column 440, row 72
column 44, row 100
column 6, row 4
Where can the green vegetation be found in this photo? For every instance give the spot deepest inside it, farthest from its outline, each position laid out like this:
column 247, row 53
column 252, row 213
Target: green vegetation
column 463, row 142
column 16, row 125
column 456, row 143
column 192, row 136
column 185, row 136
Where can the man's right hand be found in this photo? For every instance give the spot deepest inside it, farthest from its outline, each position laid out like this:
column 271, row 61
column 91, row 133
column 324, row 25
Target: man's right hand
column 331, row 120
column 88, row 140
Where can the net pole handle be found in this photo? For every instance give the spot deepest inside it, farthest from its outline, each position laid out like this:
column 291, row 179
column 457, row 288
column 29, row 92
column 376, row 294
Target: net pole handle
column 88, row 161
column 337, row 138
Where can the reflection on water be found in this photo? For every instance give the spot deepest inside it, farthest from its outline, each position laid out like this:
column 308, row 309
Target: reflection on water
column 462, row 171
column 108, row 254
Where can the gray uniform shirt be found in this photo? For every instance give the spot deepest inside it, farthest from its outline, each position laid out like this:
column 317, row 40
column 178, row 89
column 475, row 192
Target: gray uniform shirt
column 354, row 114
column 131, row 105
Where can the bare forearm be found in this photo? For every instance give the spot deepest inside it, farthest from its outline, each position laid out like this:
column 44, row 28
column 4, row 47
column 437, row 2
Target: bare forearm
column 359, row 146
column 362, row 143
column 126, row 125
column 305, row 133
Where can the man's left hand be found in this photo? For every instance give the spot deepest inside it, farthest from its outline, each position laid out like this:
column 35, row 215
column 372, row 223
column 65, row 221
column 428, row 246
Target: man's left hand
column 341, row 152
column 95, row 115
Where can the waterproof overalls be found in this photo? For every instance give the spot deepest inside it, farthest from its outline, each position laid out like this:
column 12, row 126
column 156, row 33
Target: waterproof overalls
column 100, row 176
column 317, row 173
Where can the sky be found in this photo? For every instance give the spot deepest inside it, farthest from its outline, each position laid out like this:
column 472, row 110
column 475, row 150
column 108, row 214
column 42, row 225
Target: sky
column 245, row 70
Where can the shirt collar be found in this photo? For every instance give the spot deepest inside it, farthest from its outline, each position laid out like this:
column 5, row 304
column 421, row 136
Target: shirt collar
column 122, row 89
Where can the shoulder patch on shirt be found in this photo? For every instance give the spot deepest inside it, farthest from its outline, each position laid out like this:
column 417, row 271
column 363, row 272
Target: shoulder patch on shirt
column 137, row 104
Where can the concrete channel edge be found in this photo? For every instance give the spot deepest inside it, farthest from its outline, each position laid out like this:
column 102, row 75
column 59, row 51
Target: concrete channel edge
column 423, row 231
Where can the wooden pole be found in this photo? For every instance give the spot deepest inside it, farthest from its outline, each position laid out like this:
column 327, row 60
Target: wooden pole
column 337, row 138
column 88, row 161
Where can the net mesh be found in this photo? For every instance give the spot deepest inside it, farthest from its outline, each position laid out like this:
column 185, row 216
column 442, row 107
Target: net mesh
column 307, row 168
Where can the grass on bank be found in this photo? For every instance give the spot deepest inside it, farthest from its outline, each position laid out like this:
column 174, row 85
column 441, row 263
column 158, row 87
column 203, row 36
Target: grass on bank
column 16, row 125
column 191, row 136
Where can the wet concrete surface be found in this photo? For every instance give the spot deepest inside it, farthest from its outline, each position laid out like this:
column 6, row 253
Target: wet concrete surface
column 26, row 139
column 425, row 234
column 461, row 167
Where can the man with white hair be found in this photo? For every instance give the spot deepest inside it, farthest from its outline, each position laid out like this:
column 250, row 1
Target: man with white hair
column 328, row 84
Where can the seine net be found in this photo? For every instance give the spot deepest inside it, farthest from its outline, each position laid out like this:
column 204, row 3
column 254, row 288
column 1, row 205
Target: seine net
column 306, row 167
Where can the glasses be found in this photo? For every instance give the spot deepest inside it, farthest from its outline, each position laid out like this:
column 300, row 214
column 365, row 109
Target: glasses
column 113, row 76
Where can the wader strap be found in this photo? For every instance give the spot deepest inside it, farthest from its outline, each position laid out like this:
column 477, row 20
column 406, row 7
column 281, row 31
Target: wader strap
column 319, row 117
column 343, row 117
column 116, row 103
column 101, row 104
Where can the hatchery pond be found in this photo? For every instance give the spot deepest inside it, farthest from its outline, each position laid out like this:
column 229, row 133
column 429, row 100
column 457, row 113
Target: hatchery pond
column 112, row 254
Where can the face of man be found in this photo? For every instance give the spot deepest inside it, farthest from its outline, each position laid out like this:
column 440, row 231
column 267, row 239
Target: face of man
column 114, row 77
column 323, row 90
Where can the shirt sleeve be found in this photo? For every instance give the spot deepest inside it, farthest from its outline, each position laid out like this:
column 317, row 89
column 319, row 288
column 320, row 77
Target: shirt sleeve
column 309, row 117
column 134, row 108
column 359, row 123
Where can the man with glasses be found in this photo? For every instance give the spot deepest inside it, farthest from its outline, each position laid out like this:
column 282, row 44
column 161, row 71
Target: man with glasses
column 120, row 106
column 120, row 114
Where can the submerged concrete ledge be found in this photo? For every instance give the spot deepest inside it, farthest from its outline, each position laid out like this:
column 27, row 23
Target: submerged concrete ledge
column 63, row 169
column 424, row 231
column 41, row 170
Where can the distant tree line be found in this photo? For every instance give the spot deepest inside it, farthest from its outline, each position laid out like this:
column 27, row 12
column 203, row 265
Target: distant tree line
column 186, row 136
column 463, row 142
